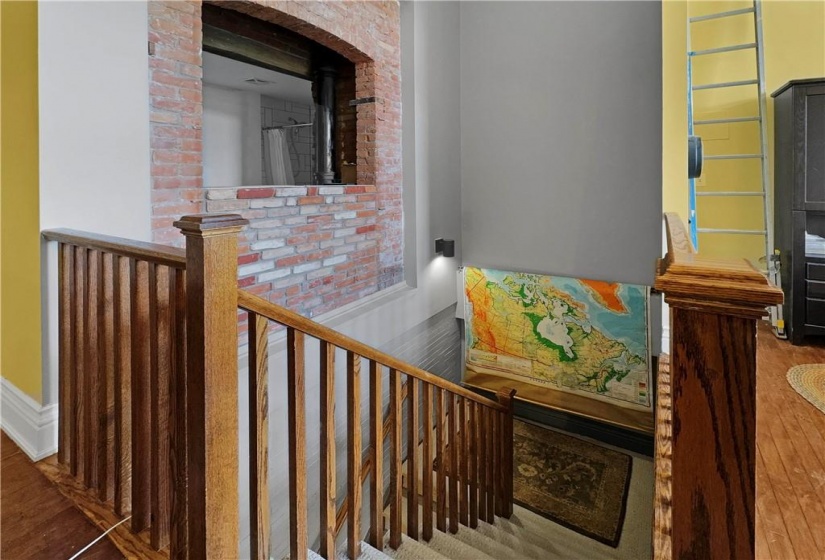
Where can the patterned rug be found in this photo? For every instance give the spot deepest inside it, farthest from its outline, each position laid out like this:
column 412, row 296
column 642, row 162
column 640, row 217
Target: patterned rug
column 572, row 482
column 809, row 381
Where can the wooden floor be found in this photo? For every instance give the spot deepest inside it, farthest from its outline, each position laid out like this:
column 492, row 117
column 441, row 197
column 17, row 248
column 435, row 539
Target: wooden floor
column 790, row 468
column 37, row 520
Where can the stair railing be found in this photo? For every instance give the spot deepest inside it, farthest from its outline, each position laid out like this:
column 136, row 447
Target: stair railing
column 148, row 393
column 706, row 407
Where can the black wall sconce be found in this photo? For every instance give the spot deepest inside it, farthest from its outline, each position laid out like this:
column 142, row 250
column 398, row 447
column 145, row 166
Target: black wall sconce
column 445, row 247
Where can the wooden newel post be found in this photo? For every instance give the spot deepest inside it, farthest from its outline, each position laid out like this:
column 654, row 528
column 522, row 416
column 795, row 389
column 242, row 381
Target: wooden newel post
column 211, row 385
column 506, row 397
column 714, row 306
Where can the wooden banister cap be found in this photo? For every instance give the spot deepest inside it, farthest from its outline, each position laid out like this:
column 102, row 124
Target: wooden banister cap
column 210, row 224
column 724, row 286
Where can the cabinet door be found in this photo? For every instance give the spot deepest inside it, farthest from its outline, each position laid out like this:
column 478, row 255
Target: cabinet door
column 811, row 147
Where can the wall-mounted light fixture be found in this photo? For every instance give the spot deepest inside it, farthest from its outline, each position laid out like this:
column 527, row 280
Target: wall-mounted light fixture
column 445, row 247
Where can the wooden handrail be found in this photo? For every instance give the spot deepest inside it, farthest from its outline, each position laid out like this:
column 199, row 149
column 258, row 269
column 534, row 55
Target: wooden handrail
column 260, row 306
column 706, row 421
column 149, row 406
column 140, row 250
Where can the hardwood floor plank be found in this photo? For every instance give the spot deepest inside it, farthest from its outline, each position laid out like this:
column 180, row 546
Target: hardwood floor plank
column 37, row 520
column 798, row 530
column 767, row 511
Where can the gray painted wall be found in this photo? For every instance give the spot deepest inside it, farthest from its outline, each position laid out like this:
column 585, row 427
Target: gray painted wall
column 561, row 137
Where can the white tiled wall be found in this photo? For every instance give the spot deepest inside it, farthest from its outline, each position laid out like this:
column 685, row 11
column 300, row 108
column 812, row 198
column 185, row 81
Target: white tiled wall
column 275, row 112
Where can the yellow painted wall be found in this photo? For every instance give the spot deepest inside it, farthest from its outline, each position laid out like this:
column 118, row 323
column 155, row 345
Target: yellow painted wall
column 794, row 35
column 20, row 358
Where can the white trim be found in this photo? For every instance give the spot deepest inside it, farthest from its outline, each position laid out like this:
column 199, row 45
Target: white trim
column 666, row 339
column 31, row 425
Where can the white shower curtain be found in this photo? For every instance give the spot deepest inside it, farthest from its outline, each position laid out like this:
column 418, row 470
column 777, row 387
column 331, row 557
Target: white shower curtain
column 280, row 165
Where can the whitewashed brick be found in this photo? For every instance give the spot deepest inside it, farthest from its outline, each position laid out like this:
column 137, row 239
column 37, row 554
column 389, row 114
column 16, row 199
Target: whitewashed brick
column 296, row 220
column 255, row 268
column 226, row 205
column 335, row 260
column 330, row 190
column 310, row 209
column 268, row 244
column 278, row 253
column 344, row 249
column 320, row 273
column 344, row 215
column 221, row 194
column 291, row 191
column 265, row 224
column 267, row 203
column 274, row 274
column 288, row 281
column 306, row 267
column 331, row 243
column 344, row 232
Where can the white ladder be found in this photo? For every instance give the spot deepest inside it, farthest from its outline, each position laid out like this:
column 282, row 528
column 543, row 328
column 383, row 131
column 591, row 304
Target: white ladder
column 771, row 260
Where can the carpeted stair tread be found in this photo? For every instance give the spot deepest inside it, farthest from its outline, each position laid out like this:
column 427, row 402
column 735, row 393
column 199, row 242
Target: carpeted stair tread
column 412, row 550
column 520, row 540
column 449, row 546
column 491, row 545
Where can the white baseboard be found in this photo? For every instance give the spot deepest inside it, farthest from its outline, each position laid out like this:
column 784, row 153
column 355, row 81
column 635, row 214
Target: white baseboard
column 31, row 425
column 666, row 339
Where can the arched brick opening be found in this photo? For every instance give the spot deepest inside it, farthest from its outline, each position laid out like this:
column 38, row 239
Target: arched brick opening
column 366, row 33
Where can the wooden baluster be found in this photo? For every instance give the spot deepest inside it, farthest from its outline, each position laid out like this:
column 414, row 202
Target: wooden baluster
column 489, row 427
column 441, row 457
column 472, row 459
column 412, row 456
column 376, row 458
column 258, row 369
column 328, row 499
column 395, row 458
column 160, row 363
column 454, row 467
column 123, row 386
column 91, row 396
column 212, row 387
column 177, row 420
column 354, row 454
column 78, row 462
column 506, row 397
column 106, row 460
column 427, row 464
column 464, row 451
column 297, row 445
column 141, row 408
column 67, row 372
column 481, row 461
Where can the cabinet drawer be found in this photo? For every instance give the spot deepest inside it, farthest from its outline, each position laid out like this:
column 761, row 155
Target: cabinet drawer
column 815, row 289
column 815, row 312
column 816, row 272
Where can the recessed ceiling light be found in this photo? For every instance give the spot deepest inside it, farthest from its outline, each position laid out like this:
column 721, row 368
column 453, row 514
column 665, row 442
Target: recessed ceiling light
column 257, row 82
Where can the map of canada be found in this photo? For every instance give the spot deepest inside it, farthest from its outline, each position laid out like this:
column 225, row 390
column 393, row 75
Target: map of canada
column 582, row 336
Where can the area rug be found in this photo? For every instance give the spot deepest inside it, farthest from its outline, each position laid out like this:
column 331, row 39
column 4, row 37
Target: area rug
column 809, row 381
column 570, row 481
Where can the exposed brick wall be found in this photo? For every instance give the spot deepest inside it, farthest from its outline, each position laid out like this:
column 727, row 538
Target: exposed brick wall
column 368, row 34
column 311, row 249
column 176, row 98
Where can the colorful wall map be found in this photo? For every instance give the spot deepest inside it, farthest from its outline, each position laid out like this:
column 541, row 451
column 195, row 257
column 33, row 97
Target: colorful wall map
column 582, row 336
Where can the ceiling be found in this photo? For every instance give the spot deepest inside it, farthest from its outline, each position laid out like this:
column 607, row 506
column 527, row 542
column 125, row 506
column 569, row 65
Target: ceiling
column 230, row 73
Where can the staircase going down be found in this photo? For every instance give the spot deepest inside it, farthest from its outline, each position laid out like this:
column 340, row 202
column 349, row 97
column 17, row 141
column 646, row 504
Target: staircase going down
column 524, row 536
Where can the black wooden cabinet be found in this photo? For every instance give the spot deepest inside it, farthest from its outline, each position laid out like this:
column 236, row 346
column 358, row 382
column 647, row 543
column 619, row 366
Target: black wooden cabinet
column 799, row 202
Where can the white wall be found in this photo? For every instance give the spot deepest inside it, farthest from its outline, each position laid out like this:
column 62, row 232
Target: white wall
column 94, row 133
column 561, row 137
column 231, row 137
